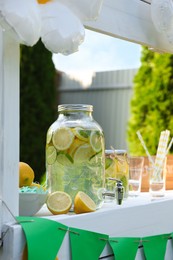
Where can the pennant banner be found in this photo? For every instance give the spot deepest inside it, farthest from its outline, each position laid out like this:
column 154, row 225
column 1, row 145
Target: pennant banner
column 124, row 248
column 43, row 236
column 86, row 245
column 155, row 247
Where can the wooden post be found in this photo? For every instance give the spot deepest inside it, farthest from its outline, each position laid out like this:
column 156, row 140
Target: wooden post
column 9, row 127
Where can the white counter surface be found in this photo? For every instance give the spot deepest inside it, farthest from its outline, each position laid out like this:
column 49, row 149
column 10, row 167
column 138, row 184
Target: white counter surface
column 136, row 217
column 139, row 216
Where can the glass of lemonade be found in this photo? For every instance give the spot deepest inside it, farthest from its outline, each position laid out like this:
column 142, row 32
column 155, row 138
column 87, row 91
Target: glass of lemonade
column 117, row 167
column 75, row 153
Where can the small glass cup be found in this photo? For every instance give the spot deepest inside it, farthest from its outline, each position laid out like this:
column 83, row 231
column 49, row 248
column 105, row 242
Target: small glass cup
column 169, row 172
column 157, row 180
column 136, row 164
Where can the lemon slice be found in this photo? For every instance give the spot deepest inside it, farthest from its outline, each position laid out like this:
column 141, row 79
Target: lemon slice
column 62, row 138
column 96, row 141
column 111, row 171
column 83, row 203
column 122, row 167
column 64, row 158
column 81, row 133
column 50, row 154
column 83, row 153
column 59, row 202
column 76, row 143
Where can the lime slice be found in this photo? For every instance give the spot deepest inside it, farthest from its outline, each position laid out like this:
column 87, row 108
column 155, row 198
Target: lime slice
column 62, row 138
column 83, row 153
column 111, row 171
column 96, row 141
column 50, row 154
column 49, row 136
column 76, row 143
column 81, row 133
column 64, row 158
column 96, row 159
column 108, row 162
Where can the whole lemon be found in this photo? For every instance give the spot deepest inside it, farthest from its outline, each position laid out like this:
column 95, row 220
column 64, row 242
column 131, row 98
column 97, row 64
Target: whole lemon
column 26, row 174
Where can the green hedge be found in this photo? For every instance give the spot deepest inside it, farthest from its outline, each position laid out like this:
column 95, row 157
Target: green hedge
column 37, row 104
column 152, row 101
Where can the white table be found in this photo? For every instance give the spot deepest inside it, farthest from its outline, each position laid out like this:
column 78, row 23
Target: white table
column 136, row 217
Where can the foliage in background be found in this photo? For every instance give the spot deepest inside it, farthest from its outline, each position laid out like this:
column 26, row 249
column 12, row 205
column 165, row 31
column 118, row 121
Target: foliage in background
column 152, row 101
column 38, row 104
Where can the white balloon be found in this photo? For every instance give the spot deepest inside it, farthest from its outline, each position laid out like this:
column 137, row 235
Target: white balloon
column 62, row 32
column 162, row 15
column 84, row 9
column 22, row 17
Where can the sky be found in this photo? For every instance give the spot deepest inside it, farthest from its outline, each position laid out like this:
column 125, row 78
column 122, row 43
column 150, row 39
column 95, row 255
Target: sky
column 98, row 52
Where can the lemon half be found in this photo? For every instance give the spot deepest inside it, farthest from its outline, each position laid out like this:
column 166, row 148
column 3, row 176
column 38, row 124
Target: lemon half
column 83, row 203
column 59, row 202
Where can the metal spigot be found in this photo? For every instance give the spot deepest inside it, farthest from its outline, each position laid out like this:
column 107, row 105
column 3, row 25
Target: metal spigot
column 119, row 191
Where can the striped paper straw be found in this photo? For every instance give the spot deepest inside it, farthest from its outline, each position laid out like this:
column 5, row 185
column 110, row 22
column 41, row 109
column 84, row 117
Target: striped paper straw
column 161, row 152
column 145, row 148
column 167, row 150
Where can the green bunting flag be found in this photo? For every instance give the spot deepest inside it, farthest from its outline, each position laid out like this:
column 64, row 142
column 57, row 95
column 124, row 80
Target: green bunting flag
column 43, row 236
column 155, row 246
column 124, row 248
column 86, row 245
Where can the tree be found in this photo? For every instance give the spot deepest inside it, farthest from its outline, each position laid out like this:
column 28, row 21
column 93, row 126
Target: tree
column 37, row 104
column 152, row 101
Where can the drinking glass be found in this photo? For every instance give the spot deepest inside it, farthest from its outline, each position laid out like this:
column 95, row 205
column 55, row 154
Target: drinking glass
column 136, row 164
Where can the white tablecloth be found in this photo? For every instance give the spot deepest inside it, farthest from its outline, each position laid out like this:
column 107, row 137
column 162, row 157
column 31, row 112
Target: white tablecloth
column 140, row 213
column 136, row 217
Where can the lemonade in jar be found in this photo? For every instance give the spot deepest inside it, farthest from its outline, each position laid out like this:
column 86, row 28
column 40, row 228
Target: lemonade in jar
column 75, row 153
column 116, row 167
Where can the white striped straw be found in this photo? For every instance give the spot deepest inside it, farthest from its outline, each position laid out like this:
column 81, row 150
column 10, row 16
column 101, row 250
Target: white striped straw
column 161, row 152
column 169, row 146
column 145, row 148
column 167, row 150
